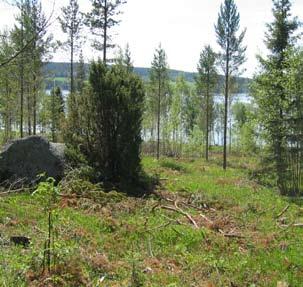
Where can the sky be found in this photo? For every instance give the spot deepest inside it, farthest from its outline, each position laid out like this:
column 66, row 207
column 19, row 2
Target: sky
column 183, row 27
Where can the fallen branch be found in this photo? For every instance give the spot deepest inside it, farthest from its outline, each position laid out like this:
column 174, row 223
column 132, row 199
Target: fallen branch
column 283, row 211
column 159, row 227
column 172, row 219
column 6, row 193
column 286, row 227
column 231, row 235
column 206, row 218
column 179, row 210
column 185, row 203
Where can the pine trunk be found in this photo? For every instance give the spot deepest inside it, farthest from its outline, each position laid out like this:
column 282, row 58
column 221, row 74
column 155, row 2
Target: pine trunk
column 226, row 108
column 158, row 123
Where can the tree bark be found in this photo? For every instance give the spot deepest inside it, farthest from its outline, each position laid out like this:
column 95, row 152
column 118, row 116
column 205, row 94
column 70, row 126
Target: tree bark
column 21, row 75
column 159, row 111
column 35, row 106
column 29, row 122
column 226, row 107
column 207, row 117
column 105, row 32
column 72, row 63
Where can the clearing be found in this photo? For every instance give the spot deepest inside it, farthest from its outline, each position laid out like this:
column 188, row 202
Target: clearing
column 203, row 227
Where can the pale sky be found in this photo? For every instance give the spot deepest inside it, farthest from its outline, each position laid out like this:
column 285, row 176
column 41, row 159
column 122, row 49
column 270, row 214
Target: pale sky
column 183, row 27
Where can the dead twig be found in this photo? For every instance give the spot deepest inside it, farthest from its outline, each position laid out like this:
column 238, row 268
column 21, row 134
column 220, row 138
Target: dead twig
column 231, row 235
column 283, row 211
column 206, row 218
column 14, row 191
column 159, row 227
column 179, row 210
column 291, row 225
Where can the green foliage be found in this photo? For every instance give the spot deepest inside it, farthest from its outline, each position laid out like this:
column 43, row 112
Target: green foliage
column 29, row 36
column 246, row 126
column 101, row 19
column 279, row 99
column 172, row 165
column 112, row 238
column 81, row 74
column 57, row 113
column 61, row 73
column 159, row 99
column 227, row 27
column 71, row 23
column 47, row 193
column 110, row 134
column 74, row 157
column 194, row 147
column 232, row 55
column 206, row 82
column 239, row 111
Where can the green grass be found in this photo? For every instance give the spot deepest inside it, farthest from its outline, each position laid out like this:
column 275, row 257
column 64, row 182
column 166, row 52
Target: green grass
column 134, row 241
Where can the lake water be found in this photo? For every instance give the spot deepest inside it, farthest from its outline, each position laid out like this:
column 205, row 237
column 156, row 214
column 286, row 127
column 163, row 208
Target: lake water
column 219, row 98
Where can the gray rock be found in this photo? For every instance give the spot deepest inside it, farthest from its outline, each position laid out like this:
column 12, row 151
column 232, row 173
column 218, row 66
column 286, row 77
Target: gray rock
column 28, row 157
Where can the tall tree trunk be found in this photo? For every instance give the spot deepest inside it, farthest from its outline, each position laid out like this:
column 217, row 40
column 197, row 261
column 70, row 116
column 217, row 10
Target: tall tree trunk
column 35, row 71
column 72, row 64
column 207, row 118
column 7, row 111
column 35, row 106
column 230, row 128
column 21, row 74
column 29, row 122
column 105, row 32
column 280, row 162
column 158, row 124
column 226, row 108
column 53, row 117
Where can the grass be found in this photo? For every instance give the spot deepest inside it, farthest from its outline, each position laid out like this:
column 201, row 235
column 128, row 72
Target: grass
column 138, row 242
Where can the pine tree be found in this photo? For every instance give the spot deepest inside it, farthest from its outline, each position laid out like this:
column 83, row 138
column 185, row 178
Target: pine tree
column 57, row 112
column 81, row 73
column 71, row 24
column 177, row 118
column 159, row 81
column 116, row 98
column 127, row 61
column 39, row 52
column 233, row 52
column 101, row 20
column 20, row 44
column 270, row 88
column 206, row 83
column 8, row 86
column 32, row 31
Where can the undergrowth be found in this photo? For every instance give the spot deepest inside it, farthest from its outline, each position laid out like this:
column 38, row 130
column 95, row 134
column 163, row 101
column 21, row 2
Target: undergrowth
column 201, row 227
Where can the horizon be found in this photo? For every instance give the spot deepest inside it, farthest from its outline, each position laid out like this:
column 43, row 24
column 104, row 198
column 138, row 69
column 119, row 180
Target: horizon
column 183, row 33
column 140, row 67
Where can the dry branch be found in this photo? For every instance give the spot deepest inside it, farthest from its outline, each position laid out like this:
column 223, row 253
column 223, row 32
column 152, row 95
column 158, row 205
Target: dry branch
column 286, row 227
column 179, row 210
column 283, row 211
column 206, row 218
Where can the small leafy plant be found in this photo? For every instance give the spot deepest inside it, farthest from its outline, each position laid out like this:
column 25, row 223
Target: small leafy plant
column 47, row 194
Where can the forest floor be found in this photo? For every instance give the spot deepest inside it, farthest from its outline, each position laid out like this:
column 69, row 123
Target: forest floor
column 205, row 227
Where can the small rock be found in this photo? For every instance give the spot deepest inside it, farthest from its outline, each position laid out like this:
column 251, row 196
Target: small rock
column 147, row 270
column 20, row 240
column 282, row 284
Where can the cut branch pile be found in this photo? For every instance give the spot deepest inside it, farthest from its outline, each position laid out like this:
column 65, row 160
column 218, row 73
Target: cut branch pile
column 174, row 206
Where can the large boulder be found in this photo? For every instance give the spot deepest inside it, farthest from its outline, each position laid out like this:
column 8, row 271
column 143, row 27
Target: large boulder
column 28, row 157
